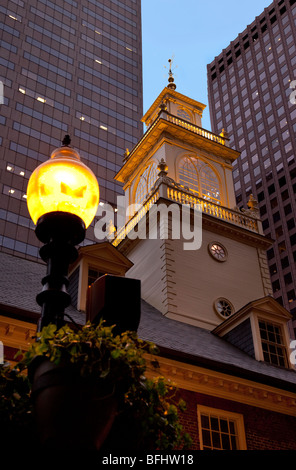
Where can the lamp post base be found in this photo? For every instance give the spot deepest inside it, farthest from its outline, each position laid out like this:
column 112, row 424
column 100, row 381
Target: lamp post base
column 60, row 231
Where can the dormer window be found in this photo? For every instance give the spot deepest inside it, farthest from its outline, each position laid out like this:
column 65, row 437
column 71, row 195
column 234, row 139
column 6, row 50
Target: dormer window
column 93, row 275
column 199, row 177
column 260, row 329
column 272, row 343
column 93, row 262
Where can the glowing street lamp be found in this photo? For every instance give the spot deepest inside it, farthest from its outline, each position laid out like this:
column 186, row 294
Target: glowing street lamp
column 63, row 184
column 62, row 199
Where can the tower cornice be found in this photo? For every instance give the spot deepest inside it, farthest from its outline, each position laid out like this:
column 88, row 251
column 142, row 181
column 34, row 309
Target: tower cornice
column 173, row 95
column 181, row 130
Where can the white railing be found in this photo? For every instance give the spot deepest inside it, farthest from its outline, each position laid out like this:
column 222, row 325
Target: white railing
column 196, row 129
column 213, row 209
column 185, row 125
column 166, row 188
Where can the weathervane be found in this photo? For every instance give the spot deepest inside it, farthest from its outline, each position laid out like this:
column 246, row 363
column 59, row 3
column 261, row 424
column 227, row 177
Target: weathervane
column 171, row 79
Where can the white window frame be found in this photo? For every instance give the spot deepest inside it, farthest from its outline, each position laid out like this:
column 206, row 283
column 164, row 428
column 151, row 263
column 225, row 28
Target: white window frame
column 237, row 418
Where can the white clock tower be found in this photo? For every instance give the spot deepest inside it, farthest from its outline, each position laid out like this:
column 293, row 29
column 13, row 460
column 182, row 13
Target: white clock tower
column 177, row 162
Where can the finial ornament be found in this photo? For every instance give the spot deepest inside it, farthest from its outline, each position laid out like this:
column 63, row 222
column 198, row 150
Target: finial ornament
column 252, row 203
column 66, row 141
column 171, row 84
column 224, row 133
column 126, row 154
column 163, row 168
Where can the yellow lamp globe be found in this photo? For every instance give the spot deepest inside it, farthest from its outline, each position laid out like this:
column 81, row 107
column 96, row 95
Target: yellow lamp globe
column 63, row 184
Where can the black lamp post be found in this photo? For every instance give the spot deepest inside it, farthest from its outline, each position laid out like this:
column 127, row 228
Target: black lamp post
column 62, row 197
column 60, row 231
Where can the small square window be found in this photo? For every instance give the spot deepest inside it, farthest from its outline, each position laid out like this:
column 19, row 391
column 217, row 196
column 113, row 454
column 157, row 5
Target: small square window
column 293, row 172
column 276, row 217
column 271, row 189
column 279, row 232
column 288, row 279
column 274, row 203
column 263, row 210
column 282, row 247
column 270, row 253
column 290, row 224
column 265, row 224
column 273, row 269
column 285, row 195
column 282, row 181
column 288, row 209
column 291, row 296
column 293, row 239
column 285, row 262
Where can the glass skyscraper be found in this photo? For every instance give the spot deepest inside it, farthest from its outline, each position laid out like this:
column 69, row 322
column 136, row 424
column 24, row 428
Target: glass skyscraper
column 71, row 67
column 251, row 94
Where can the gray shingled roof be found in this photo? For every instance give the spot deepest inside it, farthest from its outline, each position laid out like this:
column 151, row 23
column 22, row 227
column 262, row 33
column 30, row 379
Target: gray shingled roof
column 203, row 347
column 20, row 281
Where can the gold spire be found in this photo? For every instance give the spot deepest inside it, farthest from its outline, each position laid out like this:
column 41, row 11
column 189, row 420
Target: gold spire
column 171, row 84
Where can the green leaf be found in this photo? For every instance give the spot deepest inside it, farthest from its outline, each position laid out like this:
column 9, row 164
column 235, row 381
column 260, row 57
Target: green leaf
column 116, row 354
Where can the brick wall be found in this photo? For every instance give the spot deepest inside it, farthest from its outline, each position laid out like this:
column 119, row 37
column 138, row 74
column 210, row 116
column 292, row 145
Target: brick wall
column 265, row 430
column 9, row 354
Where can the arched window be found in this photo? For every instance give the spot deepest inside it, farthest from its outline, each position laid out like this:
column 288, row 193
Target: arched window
column 152, row 175
column 188, row 174
column 146, row 181
column 141, row 190
column 209, row 184
column 182, row 113
column 200, row 178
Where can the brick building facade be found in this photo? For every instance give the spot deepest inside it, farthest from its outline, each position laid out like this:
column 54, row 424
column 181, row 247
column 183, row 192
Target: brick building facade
column 206, row 303
column 265, row 430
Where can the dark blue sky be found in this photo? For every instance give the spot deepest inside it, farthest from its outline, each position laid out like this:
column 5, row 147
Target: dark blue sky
column 193, row 32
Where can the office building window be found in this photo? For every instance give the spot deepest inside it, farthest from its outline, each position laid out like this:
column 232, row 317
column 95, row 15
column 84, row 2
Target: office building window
column 288, row 279
column 55, row 21
column 291, row 296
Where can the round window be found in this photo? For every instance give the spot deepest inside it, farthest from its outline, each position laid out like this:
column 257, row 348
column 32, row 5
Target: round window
column 218, row 251
column 224, row 308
